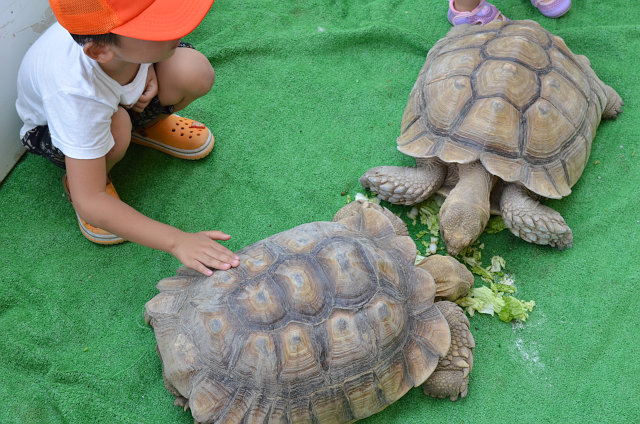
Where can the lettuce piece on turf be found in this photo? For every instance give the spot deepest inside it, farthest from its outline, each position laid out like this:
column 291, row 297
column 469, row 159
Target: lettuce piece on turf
column 495, row 225
column 515, row 309
column 492, row 301
column 482, row 300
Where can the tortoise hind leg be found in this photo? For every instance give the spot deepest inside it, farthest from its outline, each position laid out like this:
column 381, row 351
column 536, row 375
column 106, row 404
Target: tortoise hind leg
column 451, row 376
column 531, row 221
column 180, row 400
column 404, row 185
column 614, row 104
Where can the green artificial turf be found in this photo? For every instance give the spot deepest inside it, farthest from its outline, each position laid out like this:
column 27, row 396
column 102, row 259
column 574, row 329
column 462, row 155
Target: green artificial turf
column 308, row 96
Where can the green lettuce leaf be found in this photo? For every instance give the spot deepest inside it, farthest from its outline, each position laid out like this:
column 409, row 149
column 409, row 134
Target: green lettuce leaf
column 492, row 301
column 515, row 309
column 495, row 225
column 483, row 300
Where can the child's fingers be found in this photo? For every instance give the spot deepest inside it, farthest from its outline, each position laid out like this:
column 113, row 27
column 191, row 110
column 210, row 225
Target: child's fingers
column 202, row 269
column 205, row 266
column 217, row 235
column 217, row 264
column 202, row 253
column 222, row 254
column 216, row 254
column 139, row 107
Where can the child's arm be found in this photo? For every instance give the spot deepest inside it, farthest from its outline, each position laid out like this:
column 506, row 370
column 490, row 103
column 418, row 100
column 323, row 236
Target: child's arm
column 87, row 181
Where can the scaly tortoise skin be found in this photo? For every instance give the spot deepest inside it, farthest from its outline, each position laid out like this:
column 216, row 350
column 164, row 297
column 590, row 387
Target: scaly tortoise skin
column 505, row 107
column 328, row 322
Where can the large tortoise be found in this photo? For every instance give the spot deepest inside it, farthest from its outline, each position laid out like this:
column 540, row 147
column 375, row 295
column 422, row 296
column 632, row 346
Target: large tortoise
column 328, row 322
column 501, row 115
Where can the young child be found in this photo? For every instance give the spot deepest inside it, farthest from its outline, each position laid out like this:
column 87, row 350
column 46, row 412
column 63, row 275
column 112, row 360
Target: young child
column 480, row 12
column 107, row 73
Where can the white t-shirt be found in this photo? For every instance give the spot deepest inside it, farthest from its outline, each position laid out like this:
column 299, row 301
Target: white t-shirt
column 60, row 86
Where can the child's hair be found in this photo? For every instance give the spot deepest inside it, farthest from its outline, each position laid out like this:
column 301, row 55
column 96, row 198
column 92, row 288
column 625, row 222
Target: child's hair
column 102, row 39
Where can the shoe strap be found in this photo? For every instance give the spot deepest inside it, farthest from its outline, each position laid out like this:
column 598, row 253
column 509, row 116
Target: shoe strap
column 482, row 14
column 543, row 3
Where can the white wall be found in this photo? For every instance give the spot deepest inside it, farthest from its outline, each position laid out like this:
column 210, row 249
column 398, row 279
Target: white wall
column 21, row 22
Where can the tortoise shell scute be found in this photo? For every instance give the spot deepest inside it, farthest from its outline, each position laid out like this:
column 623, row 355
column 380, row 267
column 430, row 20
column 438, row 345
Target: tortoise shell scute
column 312, row 326
column 511, row 95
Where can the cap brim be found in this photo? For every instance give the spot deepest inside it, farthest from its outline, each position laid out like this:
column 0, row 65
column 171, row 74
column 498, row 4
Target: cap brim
column 166, row 20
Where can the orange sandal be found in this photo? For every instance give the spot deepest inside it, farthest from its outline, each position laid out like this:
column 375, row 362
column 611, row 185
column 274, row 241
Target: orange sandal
column 95, row 234
column 177, row 136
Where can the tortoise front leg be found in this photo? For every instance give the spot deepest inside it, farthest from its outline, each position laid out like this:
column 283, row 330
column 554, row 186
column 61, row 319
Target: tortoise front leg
column 532, row 221
column 451, row 376
column 404, row 185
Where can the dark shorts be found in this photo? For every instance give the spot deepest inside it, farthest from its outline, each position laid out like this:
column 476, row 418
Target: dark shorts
column 38, row 140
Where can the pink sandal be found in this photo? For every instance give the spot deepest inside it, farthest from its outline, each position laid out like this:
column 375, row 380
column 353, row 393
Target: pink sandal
column 552, row 8
column 484, row 13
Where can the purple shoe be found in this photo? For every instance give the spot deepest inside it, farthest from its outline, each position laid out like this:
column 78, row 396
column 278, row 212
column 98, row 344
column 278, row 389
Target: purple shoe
column 484, row 13
column 552, row 8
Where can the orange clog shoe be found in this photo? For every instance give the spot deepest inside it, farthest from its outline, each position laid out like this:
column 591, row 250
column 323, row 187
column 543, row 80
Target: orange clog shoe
column 95, row 234
column 176, row 136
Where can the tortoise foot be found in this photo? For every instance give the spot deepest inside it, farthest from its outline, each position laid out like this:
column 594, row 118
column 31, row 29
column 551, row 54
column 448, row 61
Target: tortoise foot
column 614, row 104
column 532, row 221
column 405, row 185
column 451, row 377
column 546, row 228
column 182, row 402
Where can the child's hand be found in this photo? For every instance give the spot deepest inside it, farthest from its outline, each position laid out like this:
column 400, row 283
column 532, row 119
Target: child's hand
column 150, row 90
column 200, row 252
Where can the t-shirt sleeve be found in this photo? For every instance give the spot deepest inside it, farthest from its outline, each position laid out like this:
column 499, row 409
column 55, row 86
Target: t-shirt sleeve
column 80, row 127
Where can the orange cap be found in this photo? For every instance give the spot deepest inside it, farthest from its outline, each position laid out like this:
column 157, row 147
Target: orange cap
column 154, row 20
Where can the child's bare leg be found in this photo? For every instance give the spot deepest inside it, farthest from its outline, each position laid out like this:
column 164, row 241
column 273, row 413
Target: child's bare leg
column 184, row 77
column 121, row 131
column 465, row 5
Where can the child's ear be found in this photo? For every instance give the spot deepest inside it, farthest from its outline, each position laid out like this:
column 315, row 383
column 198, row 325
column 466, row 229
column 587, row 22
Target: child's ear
column 99, row 52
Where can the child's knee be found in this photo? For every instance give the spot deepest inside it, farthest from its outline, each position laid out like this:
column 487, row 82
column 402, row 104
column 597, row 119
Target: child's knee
column 202, row 75
column 196, row 73
column 209, row 77
column 184, row 77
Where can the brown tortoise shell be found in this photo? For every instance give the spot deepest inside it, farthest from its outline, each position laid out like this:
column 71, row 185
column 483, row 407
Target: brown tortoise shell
column 328, row 322
column 511, row 95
